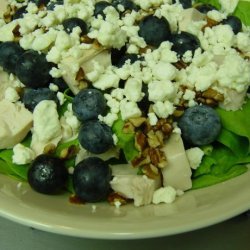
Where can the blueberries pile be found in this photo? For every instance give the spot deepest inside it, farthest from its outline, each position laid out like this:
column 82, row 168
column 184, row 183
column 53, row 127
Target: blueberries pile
column 92, row 175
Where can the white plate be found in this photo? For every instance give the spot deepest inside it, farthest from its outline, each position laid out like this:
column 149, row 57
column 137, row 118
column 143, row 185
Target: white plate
column 194, row 210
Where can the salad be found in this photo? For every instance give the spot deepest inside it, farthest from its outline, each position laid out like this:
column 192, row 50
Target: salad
column 124, row 100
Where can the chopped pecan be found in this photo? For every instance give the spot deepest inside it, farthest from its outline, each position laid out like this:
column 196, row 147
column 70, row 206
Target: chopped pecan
column 180, row 65
column 141, row 160
column 209, row 97
column 160, row 136
column 69, row 152
column 140, row 141
column 16, row 32
column 156, row 156
column 150, row 171
column 116, row 197
column 128, row 128
column 152, row 139
column 138, row 121
column 213, row 94
column 178, row 113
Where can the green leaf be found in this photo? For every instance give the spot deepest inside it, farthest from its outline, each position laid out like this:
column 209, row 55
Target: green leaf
column 238, row 144
column 242, row 11
column 14, row 169
column 4, row 168
column 238, row 121
column 215, row 3
column 126, row 141
column 205, row 166
column 208, row 180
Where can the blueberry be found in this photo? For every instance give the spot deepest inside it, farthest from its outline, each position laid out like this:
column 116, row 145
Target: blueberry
column 47, row 174
column 32, row 69
column 200, row 125
column 117, row 54
column 10, row 52
column 20, row 12
column 127, row 4
column 95, row 136
column 31, row 97
column 88, row 104
column 205, row 8
column 234, row 22
column 70, row 23
column 185, row 3
column 183, row 42
column 91, row 179
column 154, row 30
column 52, row 5
column 100, row 7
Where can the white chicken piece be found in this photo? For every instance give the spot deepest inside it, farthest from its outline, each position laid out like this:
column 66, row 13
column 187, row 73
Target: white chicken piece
column 15, row 123
column 234, row 100
column 86, row 63
column 140, row 188
column 177, row 173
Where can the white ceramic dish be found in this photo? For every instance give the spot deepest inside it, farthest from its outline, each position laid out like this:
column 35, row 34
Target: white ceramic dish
column 194, row 210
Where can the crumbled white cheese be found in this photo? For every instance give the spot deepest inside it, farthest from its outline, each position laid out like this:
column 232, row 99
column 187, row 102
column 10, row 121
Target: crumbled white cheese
column 22, row 154
column 108, row 32
column 216, row 15
column 61, row 98
column 234, row 73
column 194, row 156
column 164, row 195
column 164, row 71
column 109, row 119
column 243, row 41
column 163, row 109
column 132, row 89
column 69, row 124
column 129, row 109
column 106, row 81
column 53, row 87
column 46, row 126
column 160, row 91
column 152, row 119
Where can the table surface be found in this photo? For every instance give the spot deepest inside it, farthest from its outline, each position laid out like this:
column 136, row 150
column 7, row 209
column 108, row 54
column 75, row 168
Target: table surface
column 233, row 234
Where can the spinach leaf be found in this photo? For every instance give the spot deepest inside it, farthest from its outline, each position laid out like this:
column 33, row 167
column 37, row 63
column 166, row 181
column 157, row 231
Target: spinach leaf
column 210, row 179
column 238, row 144
column 12, row 168
column 242, row 12
column 126, row 141
column 215, row 3
column 238, row 121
